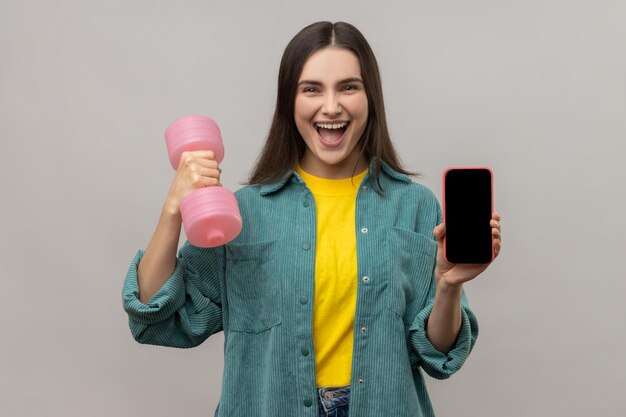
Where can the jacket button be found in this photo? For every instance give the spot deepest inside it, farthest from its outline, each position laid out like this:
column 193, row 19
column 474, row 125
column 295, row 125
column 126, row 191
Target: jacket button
column 305, row 352
column 307, row 202
column 364, row 230
column 366, row 278
column 308, row 402
column 303, row 300
column 306, row 246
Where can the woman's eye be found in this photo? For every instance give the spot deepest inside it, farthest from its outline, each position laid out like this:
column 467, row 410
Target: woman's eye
column 310, row 90
column 349, row 87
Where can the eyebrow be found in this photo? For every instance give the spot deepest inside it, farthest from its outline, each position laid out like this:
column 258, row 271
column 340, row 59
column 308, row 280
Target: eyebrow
column 345, row 80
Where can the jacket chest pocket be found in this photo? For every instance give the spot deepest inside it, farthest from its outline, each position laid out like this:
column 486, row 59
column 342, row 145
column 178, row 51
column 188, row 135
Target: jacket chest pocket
column 412, row 259
column 253, row 286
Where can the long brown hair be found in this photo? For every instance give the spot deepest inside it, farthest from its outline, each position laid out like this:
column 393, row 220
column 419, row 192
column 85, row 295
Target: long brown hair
column 284, row 146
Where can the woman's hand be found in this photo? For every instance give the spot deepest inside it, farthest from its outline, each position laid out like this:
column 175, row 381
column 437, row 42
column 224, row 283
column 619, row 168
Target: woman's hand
column 196, row 169
column 454, row 275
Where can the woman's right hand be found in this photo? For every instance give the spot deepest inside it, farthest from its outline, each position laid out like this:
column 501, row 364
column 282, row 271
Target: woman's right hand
column 196, row 169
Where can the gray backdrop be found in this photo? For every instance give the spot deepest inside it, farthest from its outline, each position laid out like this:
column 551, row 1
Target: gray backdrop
column 534, row 89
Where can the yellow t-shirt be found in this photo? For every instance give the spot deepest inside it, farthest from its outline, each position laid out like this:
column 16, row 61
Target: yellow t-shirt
column 335, row 276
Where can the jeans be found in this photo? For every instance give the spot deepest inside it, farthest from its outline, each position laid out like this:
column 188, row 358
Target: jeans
column 333, row 401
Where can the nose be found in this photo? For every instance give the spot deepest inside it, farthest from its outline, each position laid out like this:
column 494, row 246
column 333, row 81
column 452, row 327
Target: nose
column 331, row 105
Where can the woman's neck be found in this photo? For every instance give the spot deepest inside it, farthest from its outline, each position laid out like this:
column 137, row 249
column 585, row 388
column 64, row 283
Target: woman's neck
column 344, row 169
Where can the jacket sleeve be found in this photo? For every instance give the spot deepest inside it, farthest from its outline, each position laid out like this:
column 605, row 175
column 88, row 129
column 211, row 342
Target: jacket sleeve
column 187, row 309
column 438, row 364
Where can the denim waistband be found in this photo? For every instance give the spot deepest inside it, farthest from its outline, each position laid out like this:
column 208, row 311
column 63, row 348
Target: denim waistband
column 333, row 397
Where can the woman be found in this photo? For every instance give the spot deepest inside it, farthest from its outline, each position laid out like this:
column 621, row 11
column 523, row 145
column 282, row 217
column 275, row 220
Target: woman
column 335, row 295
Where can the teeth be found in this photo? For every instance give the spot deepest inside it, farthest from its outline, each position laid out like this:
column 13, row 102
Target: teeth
column 331, row 126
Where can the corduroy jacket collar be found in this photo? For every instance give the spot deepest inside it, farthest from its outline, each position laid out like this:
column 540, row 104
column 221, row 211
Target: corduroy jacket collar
column 293, row 175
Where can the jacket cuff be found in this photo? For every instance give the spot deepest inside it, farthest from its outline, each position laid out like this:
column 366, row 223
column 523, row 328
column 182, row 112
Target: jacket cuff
column 437, row 364
column 169, row 299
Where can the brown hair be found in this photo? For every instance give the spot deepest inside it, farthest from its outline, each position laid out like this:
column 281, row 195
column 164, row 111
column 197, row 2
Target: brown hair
column 284, row 146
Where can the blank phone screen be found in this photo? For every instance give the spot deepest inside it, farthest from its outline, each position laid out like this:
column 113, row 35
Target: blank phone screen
column 468, row 206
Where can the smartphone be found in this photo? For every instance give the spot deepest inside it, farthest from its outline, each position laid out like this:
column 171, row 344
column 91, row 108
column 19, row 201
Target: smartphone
column 467, row 211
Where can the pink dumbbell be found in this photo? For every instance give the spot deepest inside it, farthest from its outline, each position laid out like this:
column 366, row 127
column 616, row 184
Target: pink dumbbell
column 210, row 215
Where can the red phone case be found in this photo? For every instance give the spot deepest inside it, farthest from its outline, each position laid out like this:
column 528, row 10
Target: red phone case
column 443, row 197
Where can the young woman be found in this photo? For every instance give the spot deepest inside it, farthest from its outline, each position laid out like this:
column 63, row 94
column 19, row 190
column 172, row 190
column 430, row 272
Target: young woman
column 336, row 295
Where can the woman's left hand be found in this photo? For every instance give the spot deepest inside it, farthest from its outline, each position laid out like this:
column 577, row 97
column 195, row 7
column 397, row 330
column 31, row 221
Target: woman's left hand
column 455, row 275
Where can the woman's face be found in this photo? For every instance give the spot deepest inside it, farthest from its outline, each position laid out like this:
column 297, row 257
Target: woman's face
column 331, row 113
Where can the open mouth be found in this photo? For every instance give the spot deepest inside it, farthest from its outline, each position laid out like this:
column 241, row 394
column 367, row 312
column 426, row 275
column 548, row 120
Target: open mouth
column 331, row 134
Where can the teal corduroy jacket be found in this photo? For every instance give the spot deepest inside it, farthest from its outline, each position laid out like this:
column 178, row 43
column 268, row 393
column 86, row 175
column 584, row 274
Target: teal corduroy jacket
column 259, row 290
